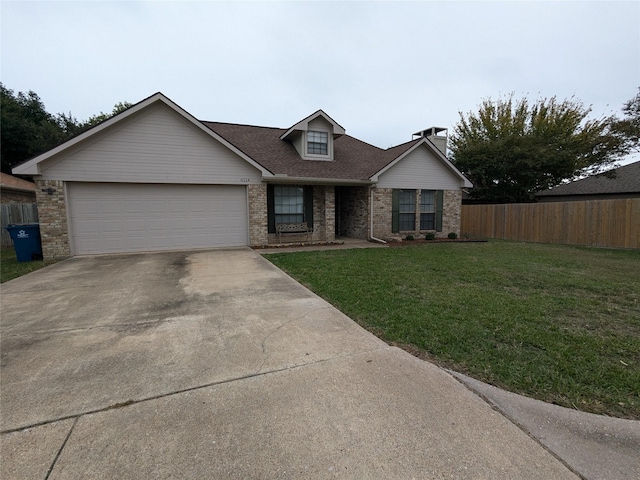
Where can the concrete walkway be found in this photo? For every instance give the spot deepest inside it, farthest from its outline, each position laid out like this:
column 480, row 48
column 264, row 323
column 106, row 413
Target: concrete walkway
column 217, row 365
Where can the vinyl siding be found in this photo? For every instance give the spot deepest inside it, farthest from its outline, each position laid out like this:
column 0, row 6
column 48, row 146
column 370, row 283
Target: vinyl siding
column 154, row 146
column 319, row 125
column 421, row 169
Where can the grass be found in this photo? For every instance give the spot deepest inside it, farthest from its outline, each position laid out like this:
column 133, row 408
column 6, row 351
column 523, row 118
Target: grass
column 10, row 268
column 557, row 323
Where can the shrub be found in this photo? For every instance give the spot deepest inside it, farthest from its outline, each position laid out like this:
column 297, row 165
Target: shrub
column 430, row 236
column 409, row 237
column 453, row 235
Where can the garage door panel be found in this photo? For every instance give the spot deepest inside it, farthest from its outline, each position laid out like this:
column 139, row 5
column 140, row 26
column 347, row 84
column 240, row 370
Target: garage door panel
column 178, row 207
column 132, row 207
column 111, row 218
column 112, row 226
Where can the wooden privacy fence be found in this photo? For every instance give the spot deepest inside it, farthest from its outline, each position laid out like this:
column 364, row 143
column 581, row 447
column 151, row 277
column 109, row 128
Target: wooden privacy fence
column 602, row 223
column 16, row 213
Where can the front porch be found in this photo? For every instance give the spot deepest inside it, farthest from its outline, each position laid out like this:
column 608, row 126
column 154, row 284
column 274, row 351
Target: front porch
column 327, row 212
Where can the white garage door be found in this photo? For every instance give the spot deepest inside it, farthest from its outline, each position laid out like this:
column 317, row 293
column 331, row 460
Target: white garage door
column 116, row 217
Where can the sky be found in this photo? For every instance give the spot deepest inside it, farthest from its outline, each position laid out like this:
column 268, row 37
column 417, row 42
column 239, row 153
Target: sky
column 383, row 70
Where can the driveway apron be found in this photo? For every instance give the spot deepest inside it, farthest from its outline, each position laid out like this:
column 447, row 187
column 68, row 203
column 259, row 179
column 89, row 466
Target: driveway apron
column 216, row 364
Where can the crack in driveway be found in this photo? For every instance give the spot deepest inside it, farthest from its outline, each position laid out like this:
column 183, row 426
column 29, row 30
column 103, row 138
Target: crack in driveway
column 131, row 402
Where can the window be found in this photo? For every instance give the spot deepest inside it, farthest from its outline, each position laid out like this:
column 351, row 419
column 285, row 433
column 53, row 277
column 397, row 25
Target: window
column 407, row 210
column 317, row 143
column 288, row 204
column 427, row 210
column 403, row 210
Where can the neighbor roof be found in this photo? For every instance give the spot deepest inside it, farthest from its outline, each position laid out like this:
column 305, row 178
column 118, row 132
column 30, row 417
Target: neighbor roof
column 624, row 179
column 9, row 182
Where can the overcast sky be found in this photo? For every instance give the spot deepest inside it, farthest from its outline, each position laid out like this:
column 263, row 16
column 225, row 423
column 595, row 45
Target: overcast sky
column 383, row 70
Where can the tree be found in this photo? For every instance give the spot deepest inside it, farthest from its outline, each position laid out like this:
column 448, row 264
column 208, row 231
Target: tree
column 28, row 130
column 510, row 149
column 101, row 117
column 628, row 129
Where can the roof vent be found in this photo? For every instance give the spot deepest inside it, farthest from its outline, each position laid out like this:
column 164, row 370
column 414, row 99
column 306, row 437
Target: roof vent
column 433, row 134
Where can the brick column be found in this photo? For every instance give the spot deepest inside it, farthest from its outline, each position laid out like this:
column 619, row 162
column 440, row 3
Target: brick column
column 451, row 213
column 319, row 213
column 330, row 213
column 52, row 214
column 258, row 220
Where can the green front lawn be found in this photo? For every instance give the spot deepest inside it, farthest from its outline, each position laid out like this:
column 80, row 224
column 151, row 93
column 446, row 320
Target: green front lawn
column 557, row 323
column 10, row 268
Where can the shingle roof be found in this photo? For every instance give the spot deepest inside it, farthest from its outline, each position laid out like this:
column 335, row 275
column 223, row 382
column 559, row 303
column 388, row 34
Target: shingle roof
column 353, row 159
column 626, row 180
column 10, row 182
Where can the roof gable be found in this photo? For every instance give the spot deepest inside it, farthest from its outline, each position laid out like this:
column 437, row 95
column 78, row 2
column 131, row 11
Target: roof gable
column 32, row 167
column 426, row 143
column 303, row 125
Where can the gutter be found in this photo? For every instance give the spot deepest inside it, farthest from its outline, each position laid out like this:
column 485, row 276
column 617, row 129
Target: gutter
column 280, row 178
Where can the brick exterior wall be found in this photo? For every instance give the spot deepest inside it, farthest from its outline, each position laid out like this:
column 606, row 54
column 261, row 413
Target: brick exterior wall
column 324, row 216
column 451, row 214
column 353, row 212
column 258, row 220
column 54, row 232
column 52, row 214
column 324, row 213
column 382, row 207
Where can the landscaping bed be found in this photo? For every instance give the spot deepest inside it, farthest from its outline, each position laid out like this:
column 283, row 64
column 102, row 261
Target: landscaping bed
column 557, row 323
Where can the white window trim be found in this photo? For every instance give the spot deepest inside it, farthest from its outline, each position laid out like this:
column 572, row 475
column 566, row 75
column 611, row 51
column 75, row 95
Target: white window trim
column 317, row 156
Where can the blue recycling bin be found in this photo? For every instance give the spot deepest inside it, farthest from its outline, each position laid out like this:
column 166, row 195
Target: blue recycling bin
column 26, row 241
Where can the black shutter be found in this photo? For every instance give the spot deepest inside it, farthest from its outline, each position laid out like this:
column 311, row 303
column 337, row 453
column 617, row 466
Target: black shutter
column 395, row 211
column 271, row 209
column 308, row 205
column 439, row 208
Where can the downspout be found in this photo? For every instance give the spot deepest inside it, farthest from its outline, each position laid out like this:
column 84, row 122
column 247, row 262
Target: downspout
column 371, row 210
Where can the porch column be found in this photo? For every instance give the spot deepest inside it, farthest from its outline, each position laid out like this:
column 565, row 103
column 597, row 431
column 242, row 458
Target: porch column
column 330, row 213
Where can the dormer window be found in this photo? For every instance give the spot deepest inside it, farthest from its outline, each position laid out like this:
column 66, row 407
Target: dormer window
column 317, row 143
column 313, row 137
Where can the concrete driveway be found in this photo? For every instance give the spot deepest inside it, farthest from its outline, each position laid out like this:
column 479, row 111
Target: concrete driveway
column 217, row 365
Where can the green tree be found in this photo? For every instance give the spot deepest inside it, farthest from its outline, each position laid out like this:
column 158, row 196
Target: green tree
column 510, row 149
column 628, row 129
column 26, row 128
column 101, row 117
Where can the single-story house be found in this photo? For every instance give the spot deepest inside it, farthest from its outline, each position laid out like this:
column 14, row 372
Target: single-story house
column 621, row 182
column 154, row 178
column 16, row 190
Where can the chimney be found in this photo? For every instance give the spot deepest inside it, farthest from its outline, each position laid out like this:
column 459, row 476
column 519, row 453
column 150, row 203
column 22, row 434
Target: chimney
column 432, row 133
